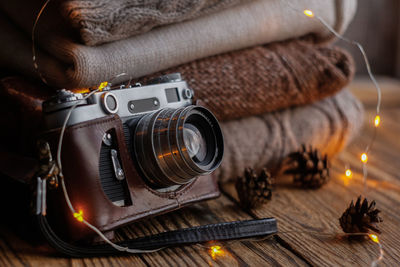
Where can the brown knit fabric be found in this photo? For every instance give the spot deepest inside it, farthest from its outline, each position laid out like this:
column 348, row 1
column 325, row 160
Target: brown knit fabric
column 266, row 78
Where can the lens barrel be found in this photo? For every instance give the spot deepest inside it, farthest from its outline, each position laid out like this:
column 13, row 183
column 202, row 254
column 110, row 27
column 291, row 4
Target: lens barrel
column 172, row 146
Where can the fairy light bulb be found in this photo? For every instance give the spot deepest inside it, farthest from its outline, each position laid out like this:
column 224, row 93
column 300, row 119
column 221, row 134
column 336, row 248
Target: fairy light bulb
column 308, row 13
column 374, row 238
column 102, row 85
column 79, row 216
column 364, row 158
column 216, row 251
column 349, row 173
column 377, row 120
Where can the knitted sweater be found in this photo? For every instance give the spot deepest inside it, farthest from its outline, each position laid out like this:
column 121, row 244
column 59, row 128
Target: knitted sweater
column 266, row 78
column 65, row 62
column 103, row 21
column 264, row 141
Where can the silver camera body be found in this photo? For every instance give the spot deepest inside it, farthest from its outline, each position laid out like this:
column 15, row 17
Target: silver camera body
column 170, row 141
column 168, row 91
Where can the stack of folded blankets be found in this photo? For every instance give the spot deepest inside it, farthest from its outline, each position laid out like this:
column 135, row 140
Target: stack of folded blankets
column 268, row 72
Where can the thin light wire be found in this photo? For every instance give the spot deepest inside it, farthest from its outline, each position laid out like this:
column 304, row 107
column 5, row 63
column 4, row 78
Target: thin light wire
column 370, row 74
column 118, row 76
column 61, row 175
column 378, row 107
column 66, row 196
column 364, row 55
column 373, row 264
column 335, row 234
column 34, row 57
column 127, row 249
column 380, row 258
column 378, row 90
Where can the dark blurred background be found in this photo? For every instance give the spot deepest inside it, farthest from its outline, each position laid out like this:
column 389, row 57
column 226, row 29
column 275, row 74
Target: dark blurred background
column 377, row 27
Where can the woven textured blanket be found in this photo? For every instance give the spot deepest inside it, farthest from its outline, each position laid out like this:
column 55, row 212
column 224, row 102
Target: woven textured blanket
column 102, row 21
column 65, row 62
column 264, row 141
column 266, row 78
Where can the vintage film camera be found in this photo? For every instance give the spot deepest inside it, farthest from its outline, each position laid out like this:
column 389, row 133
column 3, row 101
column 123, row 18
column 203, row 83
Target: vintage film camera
column 131, row 152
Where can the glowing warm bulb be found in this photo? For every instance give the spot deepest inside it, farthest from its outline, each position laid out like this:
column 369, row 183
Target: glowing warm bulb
column 364, row 158
column 348, row 173
column 79, row 216
column 374, row 238
column 81, row 91
column 103, row 85
column 216, row 251
column 308, row 13
column 377, row 120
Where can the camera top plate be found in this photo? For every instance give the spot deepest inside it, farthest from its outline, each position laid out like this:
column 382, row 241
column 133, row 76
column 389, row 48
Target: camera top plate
column 126, row 102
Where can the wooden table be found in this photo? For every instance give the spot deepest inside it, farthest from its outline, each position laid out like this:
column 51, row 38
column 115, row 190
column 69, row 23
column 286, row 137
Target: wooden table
column 297, row 210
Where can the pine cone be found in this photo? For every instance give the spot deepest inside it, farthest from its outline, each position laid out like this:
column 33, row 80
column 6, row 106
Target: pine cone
column 309, row 168
column 254, row 190
column 360, row 218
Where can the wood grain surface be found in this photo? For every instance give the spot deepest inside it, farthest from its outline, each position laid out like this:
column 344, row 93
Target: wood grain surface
column 309, row 231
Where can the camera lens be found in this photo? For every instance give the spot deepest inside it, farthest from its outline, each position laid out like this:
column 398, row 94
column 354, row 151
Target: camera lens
column 194, row 141
column 172, row 146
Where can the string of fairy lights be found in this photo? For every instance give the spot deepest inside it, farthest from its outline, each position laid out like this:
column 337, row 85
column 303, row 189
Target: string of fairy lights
column 376, row 122
column 377, row 118
column 214, row 249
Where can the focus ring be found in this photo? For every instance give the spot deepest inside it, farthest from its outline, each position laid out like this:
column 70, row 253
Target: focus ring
column 160, row 145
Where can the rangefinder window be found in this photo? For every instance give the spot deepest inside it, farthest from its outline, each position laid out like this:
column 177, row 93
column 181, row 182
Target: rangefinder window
column 172, row 95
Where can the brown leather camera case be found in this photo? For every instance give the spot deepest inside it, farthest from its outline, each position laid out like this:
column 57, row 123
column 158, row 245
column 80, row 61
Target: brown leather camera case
column 80, row 164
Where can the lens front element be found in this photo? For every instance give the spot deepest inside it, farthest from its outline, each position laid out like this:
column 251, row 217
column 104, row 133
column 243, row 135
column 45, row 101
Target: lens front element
column 172, row 146
column 194, row 141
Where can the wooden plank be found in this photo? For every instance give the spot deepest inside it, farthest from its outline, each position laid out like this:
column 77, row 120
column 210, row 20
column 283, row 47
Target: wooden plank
column 319, row 210
column 268, row 252
column 296, row 210
column 8, row 257
column 214, row 211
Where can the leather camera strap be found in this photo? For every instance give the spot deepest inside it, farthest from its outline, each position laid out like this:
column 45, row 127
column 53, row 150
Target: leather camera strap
column 186, row 236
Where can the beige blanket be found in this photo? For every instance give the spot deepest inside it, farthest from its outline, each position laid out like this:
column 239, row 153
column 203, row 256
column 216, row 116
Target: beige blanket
column 266, row 140
column 103, row 21
column 67, row 63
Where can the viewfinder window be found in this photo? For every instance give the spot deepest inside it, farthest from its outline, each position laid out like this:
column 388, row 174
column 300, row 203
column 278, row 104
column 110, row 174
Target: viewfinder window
column 172, row 95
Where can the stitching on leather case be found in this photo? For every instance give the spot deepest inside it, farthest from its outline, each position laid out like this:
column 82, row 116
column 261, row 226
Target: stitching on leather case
column 96, row 122
column 195, row 197
column 131, row 215
column 117, row 220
